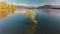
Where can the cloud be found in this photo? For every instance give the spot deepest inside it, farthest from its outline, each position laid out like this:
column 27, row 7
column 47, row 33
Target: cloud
column 33, row 2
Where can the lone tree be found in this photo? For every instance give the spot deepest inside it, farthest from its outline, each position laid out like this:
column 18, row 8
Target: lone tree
column 31, row 22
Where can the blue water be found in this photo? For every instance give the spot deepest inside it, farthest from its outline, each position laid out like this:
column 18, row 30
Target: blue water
column 14, row 23
column 48, row 23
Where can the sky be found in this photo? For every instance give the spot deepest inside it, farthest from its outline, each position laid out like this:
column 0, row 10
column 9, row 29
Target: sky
column 33, row 2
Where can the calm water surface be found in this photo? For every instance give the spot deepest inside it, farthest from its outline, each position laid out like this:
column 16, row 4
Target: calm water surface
column 48, row 22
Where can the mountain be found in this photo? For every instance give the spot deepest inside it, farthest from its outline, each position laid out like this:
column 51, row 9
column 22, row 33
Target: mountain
column 46, row 7
column 38, row 7
column 49, row 7
column 25, row 7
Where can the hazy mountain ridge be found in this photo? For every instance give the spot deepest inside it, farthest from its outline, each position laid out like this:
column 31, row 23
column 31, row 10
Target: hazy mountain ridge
column 49, row 7
column 38, row 7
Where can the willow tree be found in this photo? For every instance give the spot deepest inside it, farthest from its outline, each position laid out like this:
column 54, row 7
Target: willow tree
column 31, row 22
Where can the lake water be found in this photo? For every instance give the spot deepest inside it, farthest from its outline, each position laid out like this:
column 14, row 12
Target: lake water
column 48, row 22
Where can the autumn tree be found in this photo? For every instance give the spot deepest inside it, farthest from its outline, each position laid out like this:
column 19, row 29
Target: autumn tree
column 6, row 9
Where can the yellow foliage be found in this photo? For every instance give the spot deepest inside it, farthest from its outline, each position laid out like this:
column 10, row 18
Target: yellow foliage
column 3, row 5
column 31, row 14
column 6, row 8
column 11, row 8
